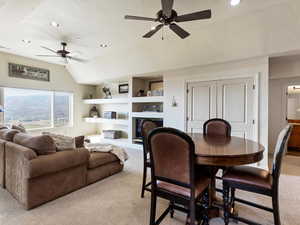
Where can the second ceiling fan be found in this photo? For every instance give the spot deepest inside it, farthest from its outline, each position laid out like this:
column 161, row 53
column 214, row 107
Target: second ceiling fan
column 167, row 16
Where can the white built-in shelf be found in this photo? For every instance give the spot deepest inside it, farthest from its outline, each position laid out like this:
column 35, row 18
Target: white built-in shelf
column 103, row 120
column 107, row 101
column 100, row 139
column 122, row 142
column 148, row 114
column 148, row 99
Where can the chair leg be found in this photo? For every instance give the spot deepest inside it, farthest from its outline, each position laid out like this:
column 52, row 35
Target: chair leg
column 144, row 181
column 192, row 212
column 153, row 208
column 232, row 201
column 206, row 205
column 276, row 212
column 172, row 209
column 226, row 202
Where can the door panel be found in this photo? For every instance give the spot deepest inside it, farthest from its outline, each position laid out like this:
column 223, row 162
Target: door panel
column 234, row 97
column 235, row 104
column 201, row 105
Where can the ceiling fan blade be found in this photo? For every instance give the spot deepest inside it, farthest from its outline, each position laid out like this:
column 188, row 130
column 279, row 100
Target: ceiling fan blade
column 179, row 31
column 127, row 17
column 206, row 14
column 167, row 7
column 48, row 55
column 3, row 47
column 49, row 49
column 76, row 59
column 153, row 31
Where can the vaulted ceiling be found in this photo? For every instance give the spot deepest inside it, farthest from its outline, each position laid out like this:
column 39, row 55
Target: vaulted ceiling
column 254, row 28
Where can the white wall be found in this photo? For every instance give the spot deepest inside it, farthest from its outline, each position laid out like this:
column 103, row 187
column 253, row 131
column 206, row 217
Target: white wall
column 60, row 80
column 284, row 71
column 176, row 80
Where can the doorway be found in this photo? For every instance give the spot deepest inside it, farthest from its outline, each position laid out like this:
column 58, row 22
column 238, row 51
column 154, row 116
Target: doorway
column 293, row 117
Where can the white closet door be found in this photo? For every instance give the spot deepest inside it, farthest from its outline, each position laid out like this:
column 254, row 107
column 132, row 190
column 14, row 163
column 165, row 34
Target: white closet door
column 236, row 105
column 201, row 105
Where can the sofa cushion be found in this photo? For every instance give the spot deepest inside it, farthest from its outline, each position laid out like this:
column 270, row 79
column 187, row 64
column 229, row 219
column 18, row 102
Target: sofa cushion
column 8, row 134
column 42, row 145
column 59, row 161
column 62, row 142
column 101, row 158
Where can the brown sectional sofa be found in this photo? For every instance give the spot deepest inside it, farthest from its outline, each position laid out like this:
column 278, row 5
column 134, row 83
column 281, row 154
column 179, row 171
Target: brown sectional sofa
column 34, row 179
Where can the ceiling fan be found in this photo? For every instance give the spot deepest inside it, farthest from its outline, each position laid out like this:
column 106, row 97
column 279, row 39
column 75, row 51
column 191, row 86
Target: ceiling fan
column 63, row 53
column 168, row 17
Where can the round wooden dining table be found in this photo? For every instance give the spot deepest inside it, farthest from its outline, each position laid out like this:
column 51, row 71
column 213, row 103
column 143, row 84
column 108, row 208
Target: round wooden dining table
column 223, row 152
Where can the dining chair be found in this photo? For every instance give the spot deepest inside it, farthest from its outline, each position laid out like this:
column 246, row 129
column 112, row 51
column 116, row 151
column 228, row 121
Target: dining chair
column 257, row 181
column 217, row 127
column 173, row 158
column 147, row 126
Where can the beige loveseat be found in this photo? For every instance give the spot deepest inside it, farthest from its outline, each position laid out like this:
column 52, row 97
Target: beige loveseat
column 34, row 173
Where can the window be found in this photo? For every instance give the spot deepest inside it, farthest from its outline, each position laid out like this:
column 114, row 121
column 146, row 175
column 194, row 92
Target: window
column 62, row 109
column 37, row 109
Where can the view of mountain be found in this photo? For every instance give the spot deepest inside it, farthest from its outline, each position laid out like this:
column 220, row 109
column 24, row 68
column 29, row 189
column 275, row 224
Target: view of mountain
column 35, row 108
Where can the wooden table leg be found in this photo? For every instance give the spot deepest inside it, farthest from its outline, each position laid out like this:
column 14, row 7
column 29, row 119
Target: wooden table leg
column 213, row 211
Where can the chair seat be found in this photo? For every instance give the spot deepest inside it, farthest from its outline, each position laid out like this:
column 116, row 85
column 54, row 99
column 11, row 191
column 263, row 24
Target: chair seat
column 249, row 176
column 200, row 185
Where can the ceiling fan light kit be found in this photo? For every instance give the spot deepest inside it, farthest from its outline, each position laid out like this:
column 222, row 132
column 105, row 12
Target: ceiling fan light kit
column 63, row 53
column 168, row 17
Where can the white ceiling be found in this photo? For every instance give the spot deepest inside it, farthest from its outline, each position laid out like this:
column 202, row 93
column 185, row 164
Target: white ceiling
column 254, row 28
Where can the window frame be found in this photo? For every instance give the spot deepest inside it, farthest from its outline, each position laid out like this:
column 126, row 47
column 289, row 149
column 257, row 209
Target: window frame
column 52, row 106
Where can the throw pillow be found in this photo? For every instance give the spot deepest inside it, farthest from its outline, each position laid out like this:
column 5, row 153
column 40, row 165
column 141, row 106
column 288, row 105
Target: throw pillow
column 8, row 134
column 42, row 145
column 79, row 141
column 19, row 127
column 62, row 142
column 3, row 127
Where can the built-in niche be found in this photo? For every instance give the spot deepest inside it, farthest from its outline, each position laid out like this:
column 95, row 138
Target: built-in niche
column 147, row 86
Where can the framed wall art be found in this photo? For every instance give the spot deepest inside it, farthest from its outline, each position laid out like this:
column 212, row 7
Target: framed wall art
column 28, row 72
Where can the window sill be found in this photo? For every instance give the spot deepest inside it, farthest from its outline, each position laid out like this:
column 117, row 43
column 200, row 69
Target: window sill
column 48, row 128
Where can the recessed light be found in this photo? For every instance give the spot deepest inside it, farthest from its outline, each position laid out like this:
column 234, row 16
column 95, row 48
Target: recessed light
column 26, row 41
column 103, row 45
column 54, row 24
column 235, row 2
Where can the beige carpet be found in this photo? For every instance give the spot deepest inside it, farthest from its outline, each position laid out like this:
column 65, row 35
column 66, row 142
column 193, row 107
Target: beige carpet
column 116, row 201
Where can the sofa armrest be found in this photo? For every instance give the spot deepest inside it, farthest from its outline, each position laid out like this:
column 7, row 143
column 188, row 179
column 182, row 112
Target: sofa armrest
column 59, row 161
column 18, row 151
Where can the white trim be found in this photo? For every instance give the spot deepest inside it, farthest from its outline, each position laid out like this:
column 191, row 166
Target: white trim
column 284, row 77
column 256, row 107
column 222, row 77
column 186, row 85
column 52, row 108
